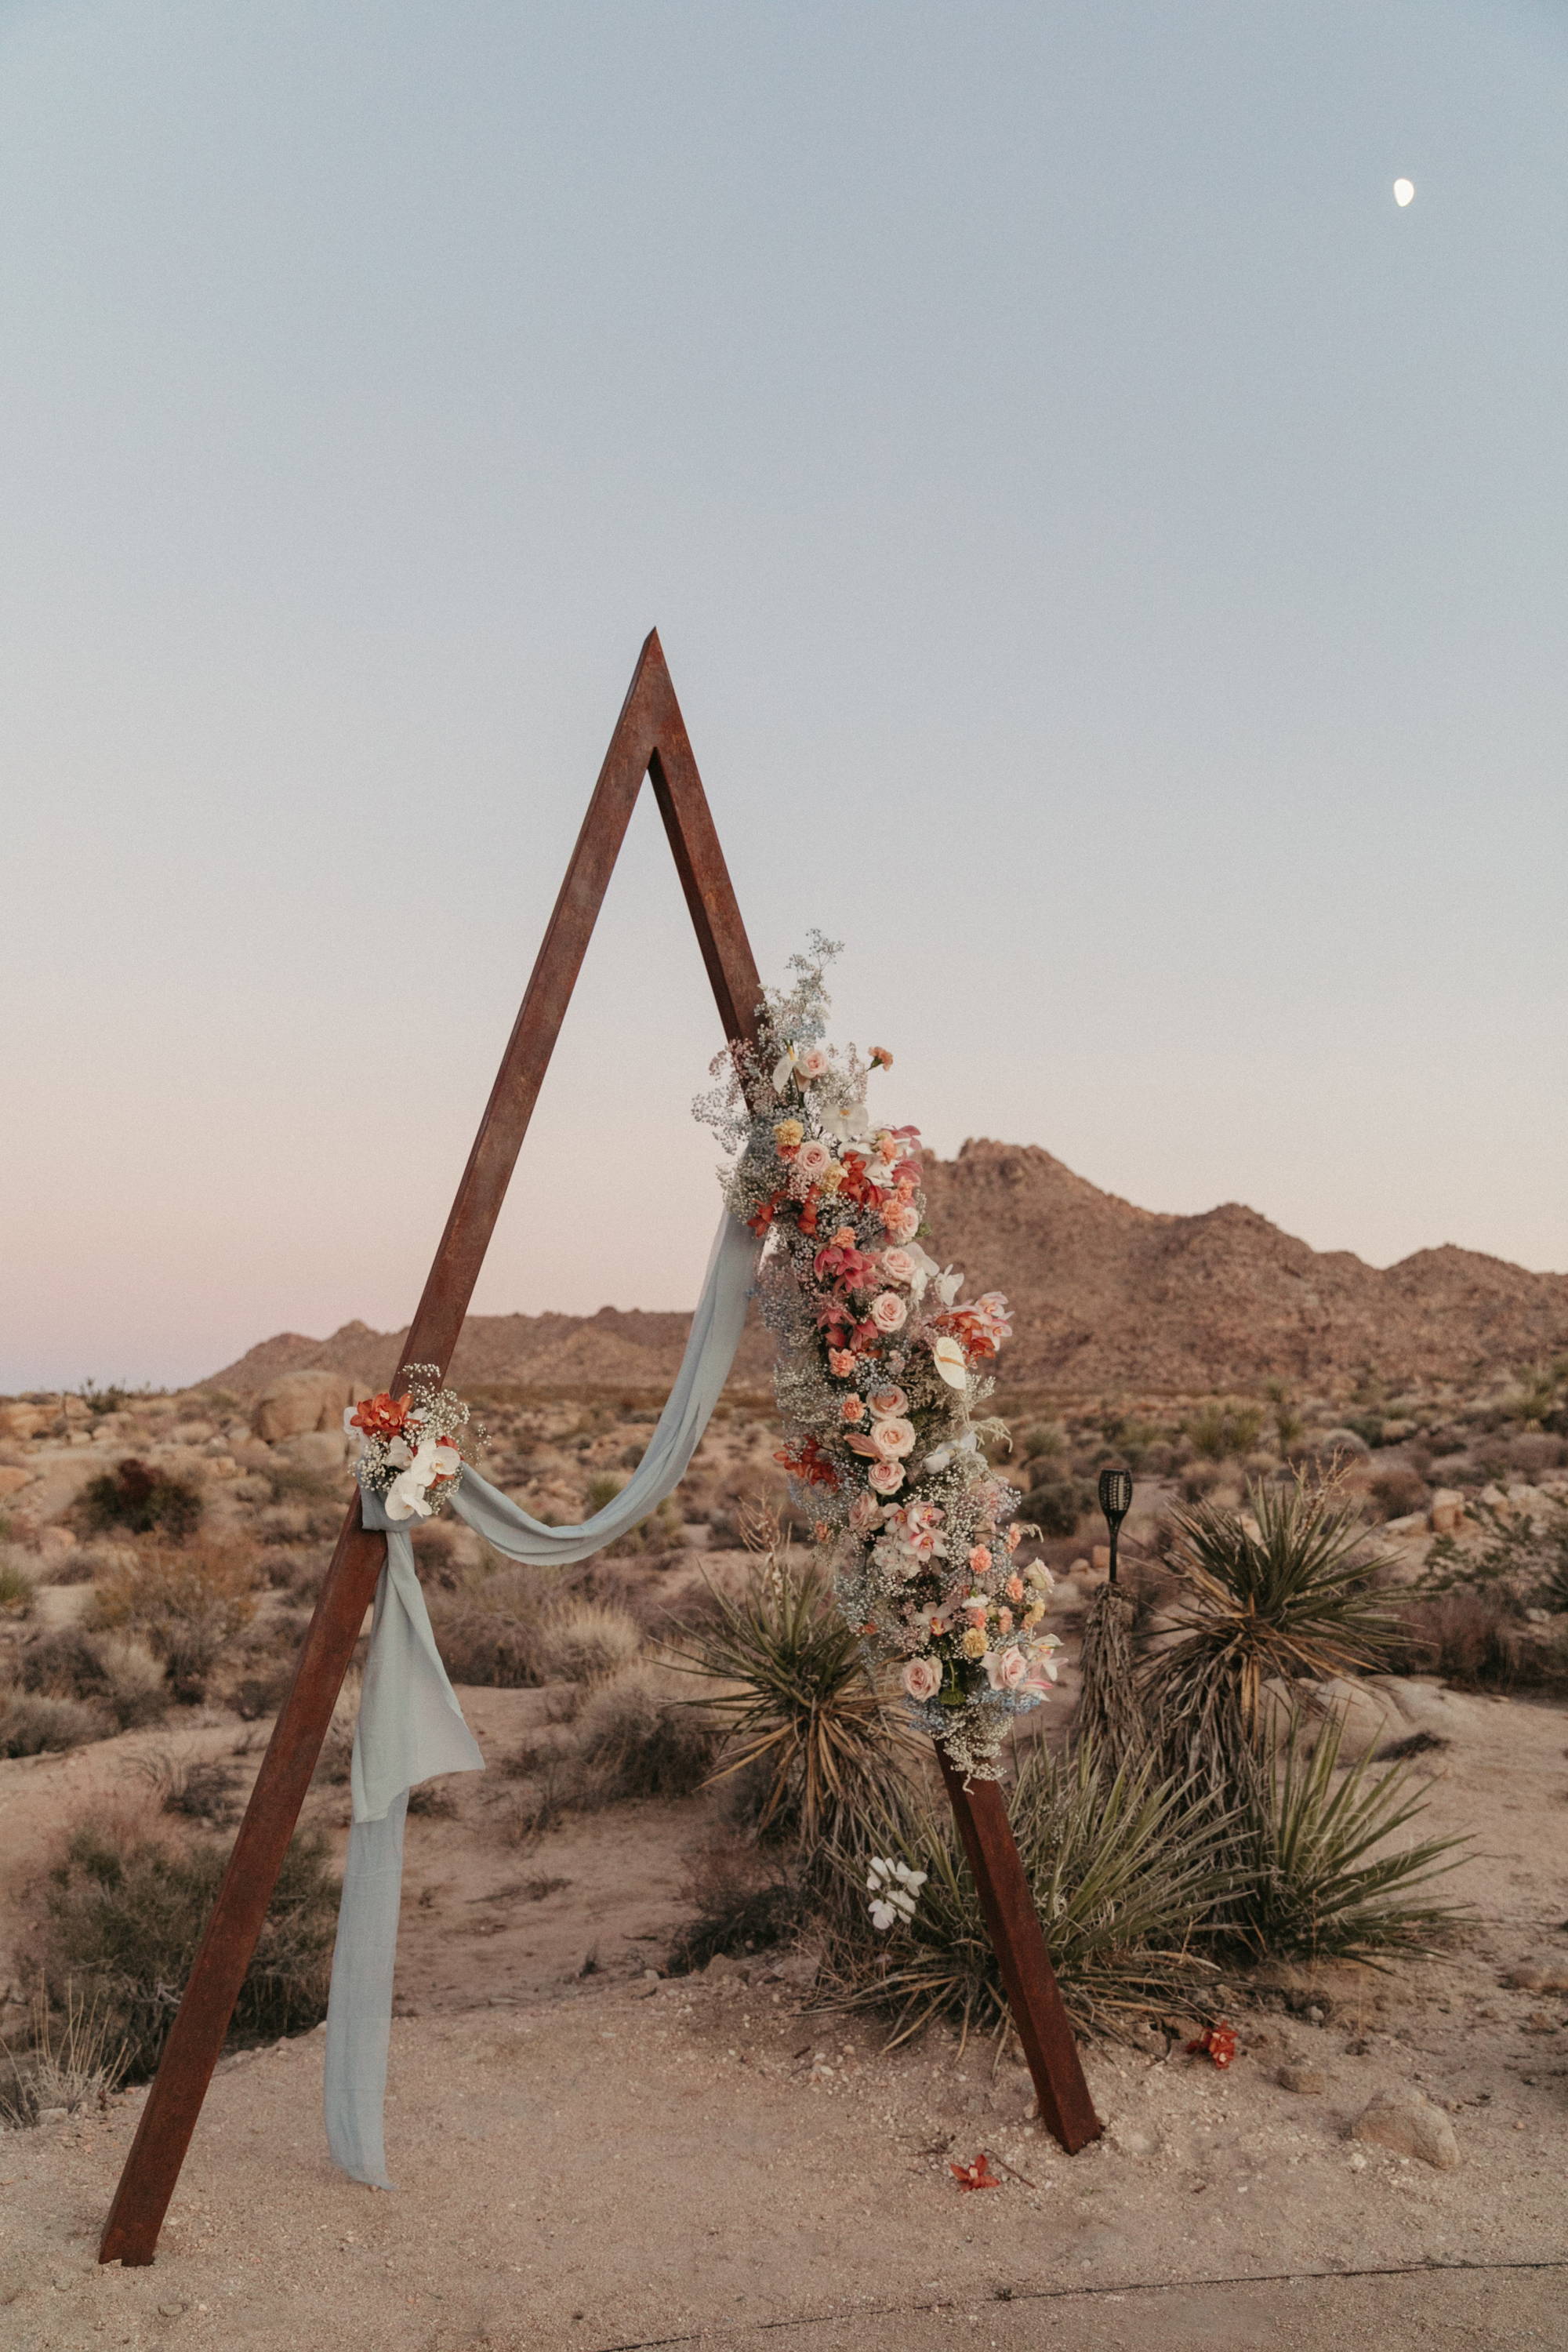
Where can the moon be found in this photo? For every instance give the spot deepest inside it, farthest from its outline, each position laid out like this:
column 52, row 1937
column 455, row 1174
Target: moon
column 1402, row 191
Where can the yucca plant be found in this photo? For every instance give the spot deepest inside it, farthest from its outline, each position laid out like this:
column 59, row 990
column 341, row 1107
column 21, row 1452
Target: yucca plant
column 1127, row 1869
column 1316, row 1886
column 803, row 1715
column 1282, row 1589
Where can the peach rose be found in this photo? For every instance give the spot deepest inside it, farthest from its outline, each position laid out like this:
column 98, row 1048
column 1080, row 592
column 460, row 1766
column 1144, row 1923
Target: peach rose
column 866, row 1514
column 813, row 1161
column 889, row 1312
column 1006, row 1670
column 894, row 1439
column 887, row 1404
column 841, row 1363
column 898, row 1265
column 922, row 1678
column 886, row 1477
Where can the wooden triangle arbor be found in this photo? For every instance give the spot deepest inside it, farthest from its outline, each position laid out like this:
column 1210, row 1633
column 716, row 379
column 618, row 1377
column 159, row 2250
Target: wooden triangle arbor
column 649, row 739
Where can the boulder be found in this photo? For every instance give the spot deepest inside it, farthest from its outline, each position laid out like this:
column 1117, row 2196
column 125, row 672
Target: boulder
column 1405, row 2120
column 1367, row 1717
column 23, row 1419
column 13, row 1481
column 298, row 1403
column 317, row 1449
column 1445, row 1515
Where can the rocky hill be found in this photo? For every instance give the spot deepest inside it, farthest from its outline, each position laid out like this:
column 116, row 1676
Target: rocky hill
column 1107, row 1296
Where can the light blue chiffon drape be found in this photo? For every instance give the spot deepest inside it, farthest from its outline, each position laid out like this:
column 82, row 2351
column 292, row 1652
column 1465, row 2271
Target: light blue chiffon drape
column 411, row 1728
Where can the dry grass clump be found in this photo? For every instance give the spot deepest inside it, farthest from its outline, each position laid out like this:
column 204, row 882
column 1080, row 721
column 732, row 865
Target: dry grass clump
column 660, row 1531
column 18, row 1583
column 122, row 1914
column 489, row 1627
column 585, row 1642
column 746, row 1901
column 32, row 1724
column 68, row 2060
column 117, row 1675
column 642, row 1740
column 187, row 1605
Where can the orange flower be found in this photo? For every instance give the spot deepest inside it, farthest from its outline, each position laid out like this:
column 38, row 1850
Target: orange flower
column 380, row 1415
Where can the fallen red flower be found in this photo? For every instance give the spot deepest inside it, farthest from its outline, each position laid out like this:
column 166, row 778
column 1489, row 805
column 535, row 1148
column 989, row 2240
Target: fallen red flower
column 1218, row 2041
column 978, row 2175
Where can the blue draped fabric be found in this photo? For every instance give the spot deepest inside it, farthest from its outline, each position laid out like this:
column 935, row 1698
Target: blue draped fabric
column 411, row 1728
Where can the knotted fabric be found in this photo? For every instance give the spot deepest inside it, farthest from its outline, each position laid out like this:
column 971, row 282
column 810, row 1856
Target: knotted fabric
column 411, row 1728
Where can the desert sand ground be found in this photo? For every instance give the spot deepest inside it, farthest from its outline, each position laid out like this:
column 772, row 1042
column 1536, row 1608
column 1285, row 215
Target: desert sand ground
column 616, row 2160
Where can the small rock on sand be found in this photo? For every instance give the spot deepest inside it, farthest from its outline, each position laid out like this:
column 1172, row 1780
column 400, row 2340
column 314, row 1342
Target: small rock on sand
column 1310, row 2081
column 1405, row 2120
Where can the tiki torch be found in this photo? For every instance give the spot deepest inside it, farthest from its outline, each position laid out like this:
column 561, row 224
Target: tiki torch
column 1115, row 1501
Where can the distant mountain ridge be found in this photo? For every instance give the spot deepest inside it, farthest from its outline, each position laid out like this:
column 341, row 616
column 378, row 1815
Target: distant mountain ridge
column 1106, row 1295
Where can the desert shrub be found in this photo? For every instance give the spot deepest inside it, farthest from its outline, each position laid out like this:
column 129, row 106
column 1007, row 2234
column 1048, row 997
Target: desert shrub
column 584, row 1642
column 1222, row 1428
column 78, row 1566
column 120, row 1675
column 69, row 2058
column 194, row 1788
column 1523, row 1555
column 1469, row 1637
column 641, row 1742
column 188, row 1606
column 489, row 1628
column 1281, row 1589
column 18, row 1591
column 307, row 1482
column 33, row 1724
column 1315, row 1887
column 660, row 1531
column 746, row 1901
column 1398, row 1491
column 1128, row 1870
column 296, row 1569
column 145, row 1500
column 123, row 1916
column 1056, row 1505
column 553, row 1788
column 1047, row 1441
column 793, row 1695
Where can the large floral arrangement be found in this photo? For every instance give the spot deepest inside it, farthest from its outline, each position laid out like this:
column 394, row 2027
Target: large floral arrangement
column 412, row 1447
column 880, row 1366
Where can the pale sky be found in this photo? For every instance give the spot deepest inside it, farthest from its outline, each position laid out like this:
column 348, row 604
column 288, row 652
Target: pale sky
column 1111, row 556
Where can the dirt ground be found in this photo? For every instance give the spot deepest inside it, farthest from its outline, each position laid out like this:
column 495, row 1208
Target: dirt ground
column 610, row 2160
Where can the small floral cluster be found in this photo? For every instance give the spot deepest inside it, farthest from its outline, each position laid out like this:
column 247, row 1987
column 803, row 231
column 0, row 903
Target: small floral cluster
column 878, row 1366
column 412, row 1446
column 894, row 1889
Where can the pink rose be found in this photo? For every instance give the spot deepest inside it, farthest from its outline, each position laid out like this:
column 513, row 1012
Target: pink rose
column 901, row 1220
column 864, row 1514
column 922, row 1678
column 1006, row 1670
column 889, row 1312
column 980, row 1560
column 898, row 1265
column 813, row 1161
column 851, row 1409
column 812, row 1063
column 894, row 1439
column 886, row 1477
column 887, row 1404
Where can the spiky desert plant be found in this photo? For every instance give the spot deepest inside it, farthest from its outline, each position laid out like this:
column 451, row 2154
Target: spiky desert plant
column 795, row 1698
column 1317, row 1887
column 1128, row 1870
column 1281, row 1589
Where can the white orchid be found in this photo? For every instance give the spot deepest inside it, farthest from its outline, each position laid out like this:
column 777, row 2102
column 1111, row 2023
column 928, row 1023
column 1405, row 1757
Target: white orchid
column 408, row 1497
column 949, row 1283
